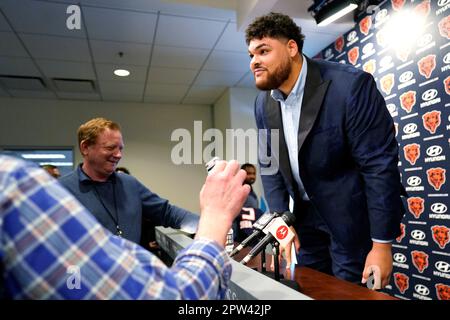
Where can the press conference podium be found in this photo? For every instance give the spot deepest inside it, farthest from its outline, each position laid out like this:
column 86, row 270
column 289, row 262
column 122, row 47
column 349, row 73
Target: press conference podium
column 245, row 284
column 248, row 284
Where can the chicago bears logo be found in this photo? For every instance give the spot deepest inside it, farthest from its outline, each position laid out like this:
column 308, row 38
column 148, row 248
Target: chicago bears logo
column 387, row 82
column 440, row 235
column 442, row 291
column 436, row 177
column 370, row 66
column 432, row 120
column 447, row 85
column 401, row 281
column 365, row 25
column 426, row 65
column 420, row 260
column 423, row 9
column 402, row 233
column 402, row 52
column 408, row 100
column 397, row 4
column 353, row 55
column 339, row 44
column 444, row 27
column 415, row 206
column 412, row 152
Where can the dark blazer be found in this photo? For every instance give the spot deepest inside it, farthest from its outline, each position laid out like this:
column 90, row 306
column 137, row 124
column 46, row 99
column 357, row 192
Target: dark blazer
column 348, row 154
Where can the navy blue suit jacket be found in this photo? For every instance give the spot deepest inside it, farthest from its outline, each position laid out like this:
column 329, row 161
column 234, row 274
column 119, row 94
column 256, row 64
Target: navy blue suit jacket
column 348, row 154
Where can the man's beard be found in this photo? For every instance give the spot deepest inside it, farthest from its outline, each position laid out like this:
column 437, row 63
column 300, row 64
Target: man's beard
column 276, row 79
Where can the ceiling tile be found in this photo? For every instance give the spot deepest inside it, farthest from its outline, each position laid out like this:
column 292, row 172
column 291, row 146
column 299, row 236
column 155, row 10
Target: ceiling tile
column 188, row 32
column 79, row 96
column 107, row 24
column 168, row 90
column 228, row 61
column 66, row 69
column 232, row 40
column 171, row 76
column 106, row 72
column 161, row 99
column 248, row 81
column 176, row 57
column 18, row 67
column 117, row 88
column 3, row 93
column 4, row 26
column 108, row 52
column 122, row 97
column 58, row 48
column 11, row 46
column 40, row 17
column 218, row 78
column 33, row 94
column 203, row 94
column 224, row 9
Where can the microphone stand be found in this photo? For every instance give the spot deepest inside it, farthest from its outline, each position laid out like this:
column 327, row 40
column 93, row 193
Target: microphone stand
column 276, row 254
column 276, row 274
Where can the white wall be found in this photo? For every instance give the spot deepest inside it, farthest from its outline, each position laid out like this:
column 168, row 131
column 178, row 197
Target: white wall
column 235, row 110
column 146, row 129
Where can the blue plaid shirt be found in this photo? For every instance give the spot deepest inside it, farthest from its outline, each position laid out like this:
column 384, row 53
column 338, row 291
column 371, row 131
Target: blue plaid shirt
column 52, row 248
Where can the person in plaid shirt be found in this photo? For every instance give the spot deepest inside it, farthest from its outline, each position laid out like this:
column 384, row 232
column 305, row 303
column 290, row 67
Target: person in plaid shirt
column 52, row 247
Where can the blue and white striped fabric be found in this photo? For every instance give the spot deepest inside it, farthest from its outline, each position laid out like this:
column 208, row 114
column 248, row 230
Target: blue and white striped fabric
column 52, row 248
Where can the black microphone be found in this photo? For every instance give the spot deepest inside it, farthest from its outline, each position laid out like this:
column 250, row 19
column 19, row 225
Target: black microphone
column 259, row 225
column 288, row 217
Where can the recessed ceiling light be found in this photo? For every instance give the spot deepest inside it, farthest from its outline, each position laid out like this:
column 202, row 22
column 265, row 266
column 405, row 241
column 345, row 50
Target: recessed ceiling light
column 121, row 72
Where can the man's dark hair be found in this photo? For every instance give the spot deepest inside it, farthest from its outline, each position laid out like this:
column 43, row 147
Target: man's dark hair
column 248, row 165
column 275, row 25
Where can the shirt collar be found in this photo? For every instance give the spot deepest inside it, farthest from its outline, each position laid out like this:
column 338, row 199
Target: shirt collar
column 298, row 88
column 83, row 177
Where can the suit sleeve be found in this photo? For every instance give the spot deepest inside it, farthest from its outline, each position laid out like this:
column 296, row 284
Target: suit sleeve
column 274, row 186
column 371, row 136
column 161, row 212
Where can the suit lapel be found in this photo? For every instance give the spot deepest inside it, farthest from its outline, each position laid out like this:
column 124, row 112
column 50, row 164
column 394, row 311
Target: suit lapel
column 274, row 121
column 313, row 96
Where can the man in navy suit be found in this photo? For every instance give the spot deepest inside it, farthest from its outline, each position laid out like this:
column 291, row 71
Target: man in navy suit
column 337, row 156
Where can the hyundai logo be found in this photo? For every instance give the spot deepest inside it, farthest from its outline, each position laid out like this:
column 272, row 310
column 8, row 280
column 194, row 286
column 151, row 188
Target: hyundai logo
column 442, row 3
column 414, row 181
column 406, row 76
column 418, row 234
column 442, row 266
column 434, row 151
column 351, row 36
column 368, row 48
column 421, row 289
column 438, row 208
column 424, row 40
column 399, row 257
column 447, row 56
column 410, row 128
column 386, row 61
column 391, row 107
column 381, row 15
column 430, row 94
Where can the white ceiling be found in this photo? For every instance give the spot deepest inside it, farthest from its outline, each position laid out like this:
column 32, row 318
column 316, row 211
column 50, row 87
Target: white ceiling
column 178, row 51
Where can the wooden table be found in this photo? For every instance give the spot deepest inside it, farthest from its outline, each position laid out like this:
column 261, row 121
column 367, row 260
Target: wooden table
column 318, row 285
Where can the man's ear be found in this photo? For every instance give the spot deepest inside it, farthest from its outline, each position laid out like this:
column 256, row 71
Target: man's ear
column 84, row 147
column 293, row 48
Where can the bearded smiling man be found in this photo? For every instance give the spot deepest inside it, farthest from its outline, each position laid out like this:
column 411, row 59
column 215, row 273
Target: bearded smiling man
column 118, row 201
column 337, row 156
